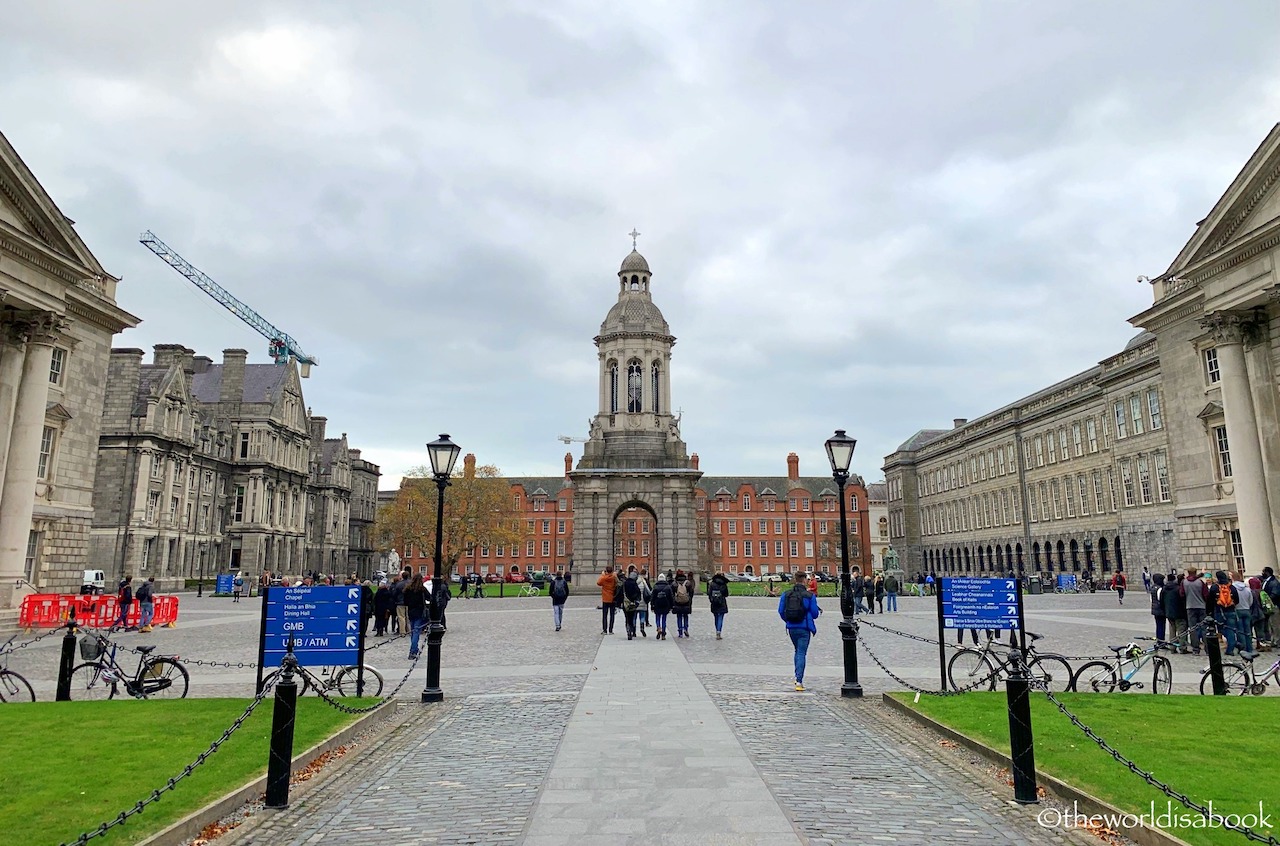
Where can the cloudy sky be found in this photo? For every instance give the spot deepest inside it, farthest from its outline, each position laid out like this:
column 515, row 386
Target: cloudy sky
column 874, row 216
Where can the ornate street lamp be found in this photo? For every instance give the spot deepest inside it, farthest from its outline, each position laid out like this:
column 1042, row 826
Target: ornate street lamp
column 443, row 454
column 840, row 453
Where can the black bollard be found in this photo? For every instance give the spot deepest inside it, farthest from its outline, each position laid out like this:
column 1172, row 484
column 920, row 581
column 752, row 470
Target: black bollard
column 1214, row 650
column 67, row 661
column 280, row 759
column 852, row 688
column 1021, row 740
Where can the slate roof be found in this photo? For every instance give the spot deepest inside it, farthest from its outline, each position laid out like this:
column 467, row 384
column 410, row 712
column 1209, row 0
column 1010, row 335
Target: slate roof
column 817, row 486
column 262, row 383
column 149, row 376
column 921, row 438
column 878, row 492
column 330, row 451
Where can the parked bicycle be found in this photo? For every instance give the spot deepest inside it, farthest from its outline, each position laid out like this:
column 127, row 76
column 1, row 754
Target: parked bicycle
column 531, row 589
column 1047, row 670
column 13, row 687
column 101, row 677
column 328, row 679
column 1241, row 678
column 1120, row 672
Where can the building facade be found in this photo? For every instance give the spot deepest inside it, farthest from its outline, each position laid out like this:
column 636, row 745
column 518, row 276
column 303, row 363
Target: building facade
column 1075, row 477
column 878, row 523
column 1216, row 316
column 58, row 313
column 363, row 557
column 207, row 468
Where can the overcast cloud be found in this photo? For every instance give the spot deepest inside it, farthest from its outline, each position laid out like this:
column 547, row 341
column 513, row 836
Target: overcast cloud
column 875, row 216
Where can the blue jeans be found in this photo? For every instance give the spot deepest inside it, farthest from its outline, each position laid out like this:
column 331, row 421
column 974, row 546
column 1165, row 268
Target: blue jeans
column 891, row 601
column 719, row 621
column 800, row 639
column 1244, row 622
column 682, row 622
column 416, row 626
column 858, row 607
column 660, row 621
column 1226, row 621
column 148, row 610
column 557, row 612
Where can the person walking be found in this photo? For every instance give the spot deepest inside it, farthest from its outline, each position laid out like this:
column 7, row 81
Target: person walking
column 1271, row 587
column 146, row 604
column 718, row 596
column 1221, row 601
column 1260, row 613
column 891, row 592
column 124, row 602
column 608, row 584
column 859, row 591
column 811, row 584
column 366, row 606
column 384, row 605
column 799, row 609
column 1175, row 611
column 400, row 622
column 880, row 592
column 631, row 598
column 1156, row 592
column 682, row 602
column 559, row 596
column 1118, row 583
column 415, row 607
column 646, row 595
column 661, row 601
column 1195, row 595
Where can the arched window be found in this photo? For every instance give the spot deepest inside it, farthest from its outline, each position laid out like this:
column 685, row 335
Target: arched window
column 1075, row 557
column 613, row 387
column 1035, row 556
column 635, row 283
column 635, row 387
column 1102, row 554
column 656, row 392
column 1062, row 557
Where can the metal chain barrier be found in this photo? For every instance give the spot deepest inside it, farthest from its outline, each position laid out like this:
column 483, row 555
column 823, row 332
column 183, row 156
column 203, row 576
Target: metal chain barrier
column 985, row 680
column 386, row 642
column 319, row 687
column 907, row 635
column 239, row 665
column 172, row 783
column 1155, row 782
column 36, row 639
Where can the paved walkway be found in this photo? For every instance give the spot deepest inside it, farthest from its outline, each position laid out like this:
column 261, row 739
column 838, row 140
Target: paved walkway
column 647, row 758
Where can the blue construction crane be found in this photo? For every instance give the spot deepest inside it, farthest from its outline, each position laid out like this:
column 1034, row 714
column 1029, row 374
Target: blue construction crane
column 282, row 346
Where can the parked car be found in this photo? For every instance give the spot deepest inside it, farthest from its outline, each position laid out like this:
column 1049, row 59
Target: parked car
column 516, row 578
column 492, row 578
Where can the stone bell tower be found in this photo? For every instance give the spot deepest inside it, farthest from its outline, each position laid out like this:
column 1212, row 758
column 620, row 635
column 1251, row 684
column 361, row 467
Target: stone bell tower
column 634, row 457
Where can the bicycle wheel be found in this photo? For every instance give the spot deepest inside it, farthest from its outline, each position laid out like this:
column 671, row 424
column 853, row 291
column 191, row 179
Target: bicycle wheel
column 14, row 688
column 1095, row 677
column 967, row 666
column 164, row 678
column 1162, row 675
column 372, row 682
column 1050, row 672
column 89, row 683
column 299, row 678
column 1233, row 674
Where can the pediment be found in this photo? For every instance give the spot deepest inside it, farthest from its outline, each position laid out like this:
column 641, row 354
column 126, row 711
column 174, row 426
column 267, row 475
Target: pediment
column 57, row 411
column 1213, row 409
column 1251, row 202
column 25, row 206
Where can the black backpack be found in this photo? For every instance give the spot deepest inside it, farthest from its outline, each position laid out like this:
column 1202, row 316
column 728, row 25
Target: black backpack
column 559, row 589
column 794, row 608
column 716, row 595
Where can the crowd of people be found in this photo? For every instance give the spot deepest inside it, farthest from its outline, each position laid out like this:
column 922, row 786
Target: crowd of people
column 1244, row 608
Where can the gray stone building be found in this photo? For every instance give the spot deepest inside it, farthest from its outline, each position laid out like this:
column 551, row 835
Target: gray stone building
column 635, row 457
column 363, row 556
column 207, row 468
column 58, row 313
column 1074, row 477
column 1216, row 317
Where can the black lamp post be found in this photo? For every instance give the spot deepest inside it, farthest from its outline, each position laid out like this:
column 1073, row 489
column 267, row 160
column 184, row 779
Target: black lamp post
column 840, row 454
column 443, row 454
column 204, row 548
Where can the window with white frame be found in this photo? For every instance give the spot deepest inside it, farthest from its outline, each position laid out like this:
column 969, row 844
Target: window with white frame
column 48, row 438
column 1032, row 509
column 1135, row 409
column 1091, row 434
column 746, row 502
column 1077, row 439
column 1053, row 448
column 746, row 527
column 1070, row 492
column 795, row 549
column 808, row 549
column 1162, row 477
column 1122, row 423
column 546, row 548
column 1000, row 460
column 1126, row 483
column 57, row 366
column 1039, row 451
column 777, row 549
column 733, row 549
column 1153, row 408
column 153, row 505
column 1224, row 451
column 1099, row 504
column 1062, row 443
column 1211, row 372
column 1144, row 479
column 1082, row 484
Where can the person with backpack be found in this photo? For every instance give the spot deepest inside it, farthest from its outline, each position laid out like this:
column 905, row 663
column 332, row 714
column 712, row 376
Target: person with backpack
column 384, row 606
column 1260, row 613
column 1244, row 611
column 718, row 596
column 1175, row 611
column 1271, row 587
column 661, row 601
column 879, row 592
column 631, row 599
column 798, row 609
column 399, row 622
column 124, row 602
column 608, row 584
column 146, row 604
column 682, row 602
column 237, row 587
column 559, row 596
column 1118, row 584
column 1221, row 601
column 415, row 605
column 891, row 592
column 1156, row 592
column 646, row 595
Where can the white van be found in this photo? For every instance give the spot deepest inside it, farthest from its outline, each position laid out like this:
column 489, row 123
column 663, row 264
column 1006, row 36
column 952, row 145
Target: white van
column 94, row 582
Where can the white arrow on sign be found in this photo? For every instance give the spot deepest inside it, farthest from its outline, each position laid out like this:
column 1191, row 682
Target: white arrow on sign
column 353, row 609
column 351, row 625
column 351, row 641
column 1010, row 598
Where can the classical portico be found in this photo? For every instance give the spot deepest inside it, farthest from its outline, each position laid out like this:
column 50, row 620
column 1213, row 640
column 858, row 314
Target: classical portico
column 635, row 456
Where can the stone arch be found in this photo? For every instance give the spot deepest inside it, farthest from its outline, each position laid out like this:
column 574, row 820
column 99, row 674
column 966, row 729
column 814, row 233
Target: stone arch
column 1102, row 555
column 1062, row 557
column 1035, row 556
column 649, row 565
column 966, row 559
column 1018, row 552
column 1119, row 555
column 1075, row 556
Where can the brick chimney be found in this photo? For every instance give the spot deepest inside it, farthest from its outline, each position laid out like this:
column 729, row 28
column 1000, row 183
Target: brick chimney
column 957, row 422
column 793, row 467
column 568, row 464
column 317, row 426
column 166, row 355
column 233, row 376
column 469, row 465
column 123, row 371
column 693, row 460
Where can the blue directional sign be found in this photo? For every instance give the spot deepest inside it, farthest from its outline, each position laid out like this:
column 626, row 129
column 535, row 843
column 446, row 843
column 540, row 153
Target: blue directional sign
column 324, row 622
column 225, row 583
column 969, row 603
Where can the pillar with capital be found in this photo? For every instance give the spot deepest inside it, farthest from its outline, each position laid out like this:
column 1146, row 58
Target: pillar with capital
column 1252, row 505
column 17, row 496
column 13, row 340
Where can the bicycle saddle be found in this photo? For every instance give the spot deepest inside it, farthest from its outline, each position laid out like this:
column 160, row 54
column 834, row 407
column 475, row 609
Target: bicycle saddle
column 1034, row 636
column 1248, row 656
column 1121, row 648
column 144, row 649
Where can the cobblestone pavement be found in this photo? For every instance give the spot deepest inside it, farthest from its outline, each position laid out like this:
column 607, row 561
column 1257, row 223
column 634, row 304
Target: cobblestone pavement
column 443, row 776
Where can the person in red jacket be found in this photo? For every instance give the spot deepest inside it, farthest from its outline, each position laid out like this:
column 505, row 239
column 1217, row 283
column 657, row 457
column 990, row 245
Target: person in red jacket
column 608, row 583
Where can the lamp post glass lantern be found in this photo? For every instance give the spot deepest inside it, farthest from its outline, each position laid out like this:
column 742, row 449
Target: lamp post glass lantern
column 840, row 453
column 443, row 454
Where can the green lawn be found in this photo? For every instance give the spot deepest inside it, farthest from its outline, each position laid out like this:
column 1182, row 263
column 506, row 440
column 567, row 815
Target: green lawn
column 70, row 766
column 1228, row 757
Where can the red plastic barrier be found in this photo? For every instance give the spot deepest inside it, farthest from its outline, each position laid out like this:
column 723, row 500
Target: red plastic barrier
column 53, row 609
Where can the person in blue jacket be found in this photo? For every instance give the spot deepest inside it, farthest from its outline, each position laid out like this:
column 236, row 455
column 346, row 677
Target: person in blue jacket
column 798, row 608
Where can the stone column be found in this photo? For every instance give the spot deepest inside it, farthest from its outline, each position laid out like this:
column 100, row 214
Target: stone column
column 1252, row 506
column 12, row 352
column 17, row 497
